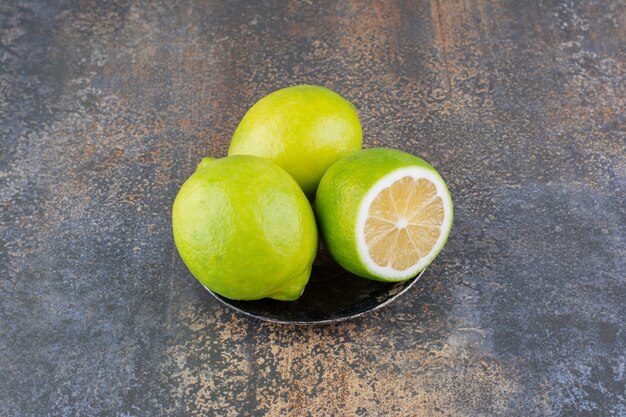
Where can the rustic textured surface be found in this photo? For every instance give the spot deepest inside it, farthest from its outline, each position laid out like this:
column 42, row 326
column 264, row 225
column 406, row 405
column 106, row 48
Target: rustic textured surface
column 105, row 109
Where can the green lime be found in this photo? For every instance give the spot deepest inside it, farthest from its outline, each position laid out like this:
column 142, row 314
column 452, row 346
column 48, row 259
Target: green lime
column 304, row 129
column 383, row 214
column 245, row 229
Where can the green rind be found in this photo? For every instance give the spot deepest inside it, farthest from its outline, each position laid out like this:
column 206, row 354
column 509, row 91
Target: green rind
column 339, row 196
column 304, row 129
column 245, row 230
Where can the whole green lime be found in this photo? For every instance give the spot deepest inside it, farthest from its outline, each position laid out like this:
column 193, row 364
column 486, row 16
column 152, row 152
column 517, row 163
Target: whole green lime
column 383, row 214
column 245, row 229
column 304, row 129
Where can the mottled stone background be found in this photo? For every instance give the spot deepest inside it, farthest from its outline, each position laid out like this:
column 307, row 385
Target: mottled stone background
column 106, row 108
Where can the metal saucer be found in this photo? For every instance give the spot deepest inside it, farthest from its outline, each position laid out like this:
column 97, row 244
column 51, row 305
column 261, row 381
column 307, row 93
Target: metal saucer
column 332, row 295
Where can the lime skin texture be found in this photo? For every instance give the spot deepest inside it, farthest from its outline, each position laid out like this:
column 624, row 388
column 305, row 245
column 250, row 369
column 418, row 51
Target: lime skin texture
column 304, row 129
column 245, row 229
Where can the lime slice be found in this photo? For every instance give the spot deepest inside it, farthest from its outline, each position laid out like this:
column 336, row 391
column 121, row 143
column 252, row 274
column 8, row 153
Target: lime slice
column 383, row 214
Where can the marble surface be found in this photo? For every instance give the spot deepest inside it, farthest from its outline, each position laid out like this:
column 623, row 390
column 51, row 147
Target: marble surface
column 107, row 107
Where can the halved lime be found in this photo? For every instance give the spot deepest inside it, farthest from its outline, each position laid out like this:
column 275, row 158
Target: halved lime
column 383, row 214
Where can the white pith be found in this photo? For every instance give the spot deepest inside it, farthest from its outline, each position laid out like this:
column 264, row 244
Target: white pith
column 389, row 272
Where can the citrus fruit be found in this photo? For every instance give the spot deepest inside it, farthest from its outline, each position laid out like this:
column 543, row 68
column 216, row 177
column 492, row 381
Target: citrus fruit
column 245, row 229
column 304, row 129
column 383, row 214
